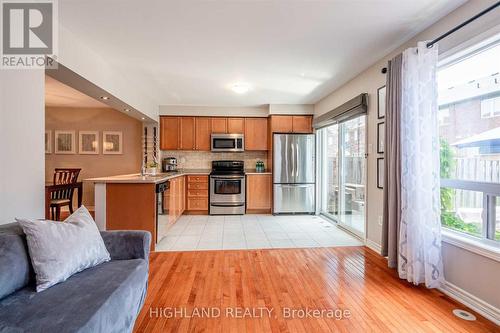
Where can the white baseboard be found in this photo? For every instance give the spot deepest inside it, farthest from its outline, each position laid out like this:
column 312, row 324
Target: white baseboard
column 485, row 309
column 374, row 246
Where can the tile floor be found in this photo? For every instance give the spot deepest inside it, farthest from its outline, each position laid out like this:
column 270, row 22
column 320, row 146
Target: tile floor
column 201, row 232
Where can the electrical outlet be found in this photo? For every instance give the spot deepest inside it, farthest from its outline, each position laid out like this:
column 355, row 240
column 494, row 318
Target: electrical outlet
column 380, row 220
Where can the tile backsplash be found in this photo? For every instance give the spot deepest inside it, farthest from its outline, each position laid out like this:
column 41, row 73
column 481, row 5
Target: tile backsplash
column 203, row 159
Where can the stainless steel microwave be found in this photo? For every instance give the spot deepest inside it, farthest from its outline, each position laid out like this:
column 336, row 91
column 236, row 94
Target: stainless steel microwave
column 227, row 142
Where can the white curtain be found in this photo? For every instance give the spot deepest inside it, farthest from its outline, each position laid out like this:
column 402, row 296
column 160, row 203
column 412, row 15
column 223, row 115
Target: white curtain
column 419, row 258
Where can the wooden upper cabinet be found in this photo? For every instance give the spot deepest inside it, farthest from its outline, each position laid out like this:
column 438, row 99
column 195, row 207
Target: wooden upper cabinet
column 219, row 125
column 236, row 125
column 169, row 133
column 186, row 141
column 302, row 124
column 256, row 134
column 202, row 133
column 282, row 124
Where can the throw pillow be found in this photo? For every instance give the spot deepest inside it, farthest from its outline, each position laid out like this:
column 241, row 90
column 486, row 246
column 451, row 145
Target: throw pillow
column 61, row 249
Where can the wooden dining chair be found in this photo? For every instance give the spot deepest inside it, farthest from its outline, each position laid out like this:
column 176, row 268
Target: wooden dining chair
column 63, row 197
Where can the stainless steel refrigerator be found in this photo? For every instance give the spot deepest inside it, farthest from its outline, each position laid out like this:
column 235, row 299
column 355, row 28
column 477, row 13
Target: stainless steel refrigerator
column 294, row 173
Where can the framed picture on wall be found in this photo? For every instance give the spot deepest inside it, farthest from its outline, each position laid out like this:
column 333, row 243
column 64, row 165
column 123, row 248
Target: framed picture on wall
column 48, row 142
column 88, row 142
column 380, row 137
column 381, row 102
column 380, row 172
column 112, row 142
column 64, row 142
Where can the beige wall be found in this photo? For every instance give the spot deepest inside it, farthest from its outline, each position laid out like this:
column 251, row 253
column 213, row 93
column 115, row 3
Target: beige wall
column 475, row 281
column 94, row 119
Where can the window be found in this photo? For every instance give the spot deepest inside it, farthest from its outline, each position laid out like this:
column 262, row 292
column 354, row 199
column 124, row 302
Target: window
column 470, row 142
column 490, row 107
column 444, row 116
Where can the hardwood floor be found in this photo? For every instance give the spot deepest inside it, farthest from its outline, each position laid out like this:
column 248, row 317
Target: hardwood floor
column 355, row 281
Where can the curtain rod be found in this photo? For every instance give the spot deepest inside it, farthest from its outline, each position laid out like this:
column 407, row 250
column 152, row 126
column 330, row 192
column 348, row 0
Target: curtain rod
column 458, row 27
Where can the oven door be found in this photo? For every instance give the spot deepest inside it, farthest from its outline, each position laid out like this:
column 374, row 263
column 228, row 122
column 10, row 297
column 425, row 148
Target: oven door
column 227, row 189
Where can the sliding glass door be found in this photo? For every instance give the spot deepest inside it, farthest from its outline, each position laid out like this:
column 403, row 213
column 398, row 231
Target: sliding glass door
column 330, row 171
column 343, row 173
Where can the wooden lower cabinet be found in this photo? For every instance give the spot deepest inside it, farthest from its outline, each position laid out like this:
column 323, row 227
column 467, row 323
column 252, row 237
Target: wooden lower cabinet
column 198, row 186
column 131, row 207
column 259, row 193
column 197, row 204
column 177, row 199
column 197, row 194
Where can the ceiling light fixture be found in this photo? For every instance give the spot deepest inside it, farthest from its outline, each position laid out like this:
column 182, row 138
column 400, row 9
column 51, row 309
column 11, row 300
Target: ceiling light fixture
column 126, row 110
column 105, row 98
column 240, row 88
column 142, row 118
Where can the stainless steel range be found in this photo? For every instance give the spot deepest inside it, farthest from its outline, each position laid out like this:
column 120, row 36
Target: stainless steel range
column 227, row 188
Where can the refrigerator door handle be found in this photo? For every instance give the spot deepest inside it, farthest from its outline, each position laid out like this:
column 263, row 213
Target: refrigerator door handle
column 292, row 159
column 297, row 164
column 295, row 185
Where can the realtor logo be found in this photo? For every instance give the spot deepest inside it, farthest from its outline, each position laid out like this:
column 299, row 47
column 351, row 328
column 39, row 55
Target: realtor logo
column 28, row 33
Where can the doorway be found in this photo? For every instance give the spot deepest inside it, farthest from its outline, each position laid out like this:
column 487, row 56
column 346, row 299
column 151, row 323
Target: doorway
column 342, row 166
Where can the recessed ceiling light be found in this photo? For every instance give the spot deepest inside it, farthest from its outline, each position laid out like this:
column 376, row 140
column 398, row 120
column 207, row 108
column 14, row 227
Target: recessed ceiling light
column 240, row 88
column 126, row 110
column 104, row 97
column 142, row 118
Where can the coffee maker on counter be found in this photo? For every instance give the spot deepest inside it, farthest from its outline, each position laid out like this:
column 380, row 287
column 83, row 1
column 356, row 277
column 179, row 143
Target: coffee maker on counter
column 169, row 164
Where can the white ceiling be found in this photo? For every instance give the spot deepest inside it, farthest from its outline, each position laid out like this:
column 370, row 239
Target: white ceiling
column 58, row 94
column 290, row 52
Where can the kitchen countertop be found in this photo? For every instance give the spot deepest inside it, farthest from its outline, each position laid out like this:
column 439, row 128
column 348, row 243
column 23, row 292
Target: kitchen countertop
column 253, row 172
column 149, row 179
column 160, row 177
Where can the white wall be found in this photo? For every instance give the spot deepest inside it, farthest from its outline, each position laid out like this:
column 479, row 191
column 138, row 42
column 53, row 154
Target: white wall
column 475, row 279
column 89, row 64
column 22, row 123
column 237, row 111
column 291, row 108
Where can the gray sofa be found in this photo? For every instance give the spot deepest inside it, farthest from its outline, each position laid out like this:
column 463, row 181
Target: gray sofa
column 105, row 298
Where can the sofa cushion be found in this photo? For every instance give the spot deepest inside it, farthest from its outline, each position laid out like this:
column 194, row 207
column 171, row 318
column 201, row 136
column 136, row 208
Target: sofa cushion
column 104, row 298
column 15, row 265
column 59, row 250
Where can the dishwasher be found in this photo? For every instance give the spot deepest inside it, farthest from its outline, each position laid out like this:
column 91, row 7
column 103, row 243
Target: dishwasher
column 162, row 209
